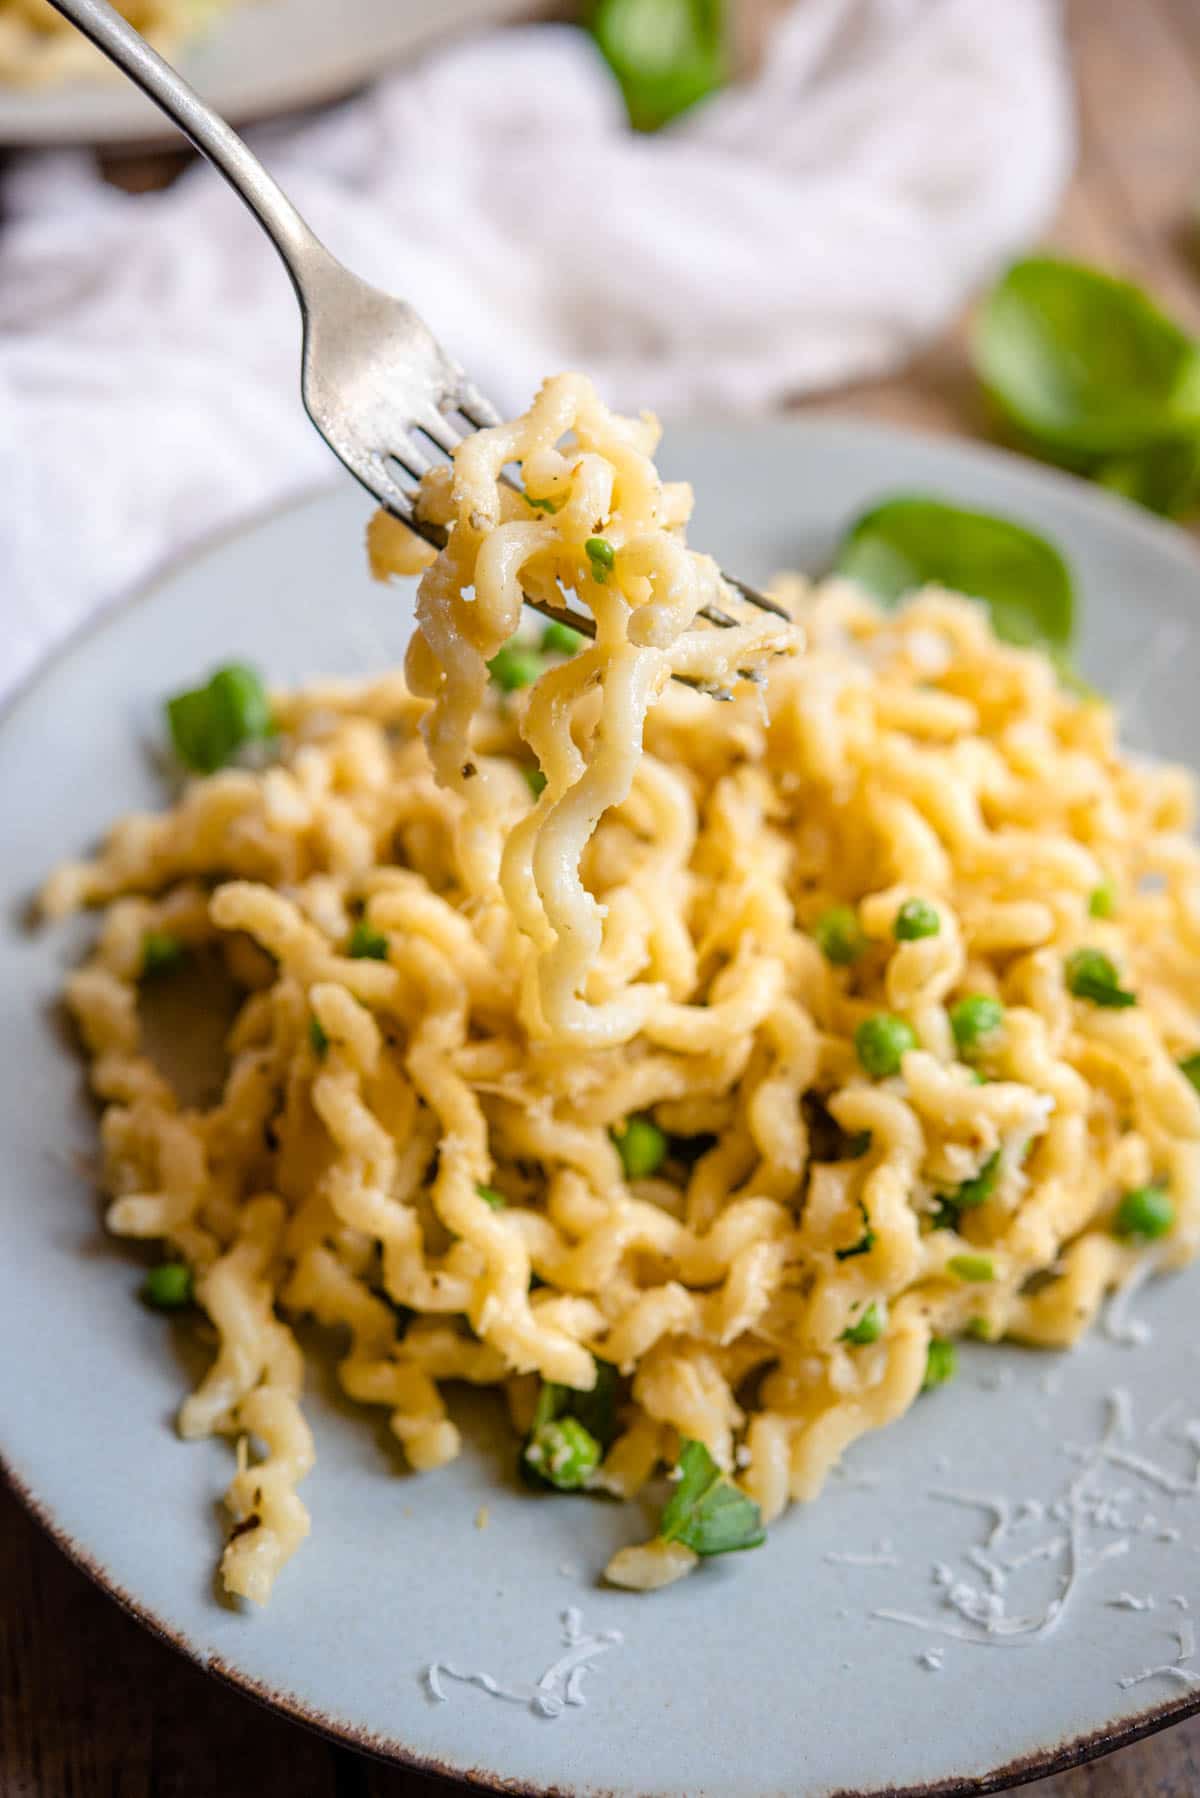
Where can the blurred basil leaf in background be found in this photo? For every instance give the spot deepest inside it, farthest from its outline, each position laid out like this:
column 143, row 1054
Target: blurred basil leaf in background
column 666, row 54
column 913, row 540
column 1096, row 377
column 1165, row 477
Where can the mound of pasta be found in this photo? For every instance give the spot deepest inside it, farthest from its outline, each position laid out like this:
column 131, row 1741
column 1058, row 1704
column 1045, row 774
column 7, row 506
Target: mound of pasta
column 39, row 47
column 695, row 1072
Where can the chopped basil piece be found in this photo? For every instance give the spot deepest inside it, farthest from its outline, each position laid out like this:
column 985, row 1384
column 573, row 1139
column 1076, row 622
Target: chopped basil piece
column 1091, row 975
column 940, row 1364
column 536, row 781
column 541, row 505
column 707, row 1512
column 367, row 944
column 317, row 1036
column 976, row 1191
column 1190, row 1068
column 977, row 1268
column 868, row 1328
column 865, row 1243
column 491, row 1197
column 1102, row 901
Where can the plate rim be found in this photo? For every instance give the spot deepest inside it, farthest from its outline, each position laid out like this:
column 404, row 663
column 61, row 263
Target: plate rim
column 1162, row 536
column 305, row 92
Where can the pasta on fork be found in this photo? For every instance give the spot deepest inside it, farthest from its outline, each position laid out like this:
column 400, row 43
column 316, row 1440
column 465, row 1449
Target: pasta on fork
column 694, row 1073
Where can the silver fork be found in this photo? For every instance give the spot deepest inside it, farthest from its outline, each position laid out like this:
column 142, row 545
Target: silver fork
column 376, row 383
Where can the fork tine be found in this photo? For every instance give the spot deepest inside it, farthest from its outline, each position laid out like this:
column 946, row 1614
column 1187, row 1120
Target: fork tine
column 438, row 428
column 383, row 486
column 474, row 408
column 715, row 615
column 755, row 598
column 410, row 457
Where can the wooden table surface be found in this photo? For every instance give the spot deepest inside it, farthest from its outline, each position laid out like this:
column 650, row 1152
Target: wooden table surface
column 93, row 1707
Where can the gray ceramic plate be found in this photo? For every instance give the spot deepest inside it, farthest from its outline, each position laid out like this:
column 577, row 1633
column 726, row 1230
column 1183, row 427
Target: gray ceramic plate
column 772, row 1672
column 263, row 57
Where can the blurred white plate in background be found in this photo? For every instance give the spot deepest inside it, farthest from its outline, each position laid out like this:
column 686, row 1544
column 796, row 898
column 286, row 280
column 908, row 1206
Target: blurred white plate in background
column 262, row 58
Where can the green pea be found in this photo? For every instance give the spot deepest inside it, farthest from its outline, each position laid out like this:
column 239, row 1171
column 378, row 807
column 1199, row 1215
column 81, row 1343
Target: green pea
column 210, row 724
column 601, row 554
column 915, row 919
column 169, row 1287
column 515, row 665
column 563, row 1453
column 642, row 1147
column 839, row 936
column 974, row 1018
column 881, row 1042
column 1147, row 1211
column 560, row 640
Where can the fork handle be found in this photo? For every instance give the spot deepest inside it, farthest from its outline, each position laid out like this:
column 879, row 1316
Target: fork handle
column 228, row 153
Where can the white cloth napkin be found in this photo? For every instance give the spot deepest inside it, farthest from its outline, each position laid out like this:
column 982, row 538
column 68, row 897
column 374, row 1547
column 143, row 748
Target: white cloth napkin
column 814, row 226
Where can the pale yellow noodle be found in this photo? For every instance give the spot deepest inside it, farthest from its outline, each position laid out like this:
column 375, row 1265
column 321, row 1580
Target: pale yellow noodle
column 421, row 1151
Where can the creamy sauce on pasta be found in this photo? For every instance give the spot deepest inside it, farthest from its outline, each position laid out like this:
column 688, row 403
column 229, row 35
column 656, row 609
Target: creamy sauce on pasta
column 643, row 938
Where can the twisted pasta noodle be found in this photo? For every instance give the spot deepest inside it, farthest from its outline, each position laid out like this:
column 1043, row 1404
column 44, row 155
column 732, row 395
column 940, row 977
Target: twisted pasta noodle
column 420, row 1145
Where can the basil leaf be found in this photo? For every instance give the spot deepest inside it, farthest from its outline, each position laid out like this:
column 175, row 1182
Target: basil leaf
column 706, row 1512
column 866, row 1241
column 914, row 539
column 1084, row 364
column 597, row 1409
column 1164, row 478
column 666, row 54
